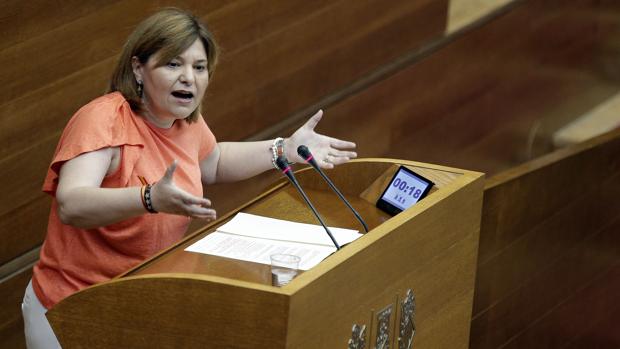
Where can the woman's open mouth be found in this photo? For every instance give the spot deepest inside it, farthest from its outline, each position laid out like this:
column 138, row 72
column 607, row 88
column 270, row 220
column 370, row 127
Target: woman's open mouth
column 184, row 96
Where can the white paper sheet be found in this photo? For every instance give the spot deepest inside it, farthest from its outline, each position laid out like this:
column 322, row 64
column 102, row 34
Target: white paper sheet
column 254, row 238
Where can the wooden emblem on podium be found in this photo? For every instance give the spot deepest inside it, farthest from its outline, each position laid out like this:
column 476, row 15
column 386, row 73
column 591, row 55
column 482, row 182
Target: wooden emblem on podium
column 383, row 327
column 358, row 337
column 407, row 324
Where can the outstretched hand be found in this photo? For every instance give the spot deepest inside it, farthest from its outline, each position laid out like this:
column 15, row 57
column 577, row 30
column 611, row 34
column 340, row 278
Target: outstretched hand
column 327, row 151
column 169, row 198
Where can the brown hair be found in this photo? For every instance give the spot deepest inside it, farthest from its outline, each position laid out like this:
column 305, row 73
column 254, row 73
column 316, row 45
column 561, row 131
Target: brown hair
column 169, row 33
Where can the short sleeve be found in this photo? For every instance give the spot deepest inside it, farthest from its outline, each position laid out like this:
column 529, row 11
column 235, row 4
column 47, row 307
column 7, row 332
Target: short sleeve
column 99, row 124
column 208, row 140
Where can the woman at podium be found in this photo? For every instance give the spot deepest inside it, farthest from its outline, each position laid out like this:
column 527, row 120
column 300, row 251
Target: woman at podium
column 129, row 170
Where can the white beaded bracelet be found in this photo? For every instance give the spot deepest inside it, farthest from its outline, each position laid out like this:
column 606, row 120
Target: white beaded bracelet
column 277, row 149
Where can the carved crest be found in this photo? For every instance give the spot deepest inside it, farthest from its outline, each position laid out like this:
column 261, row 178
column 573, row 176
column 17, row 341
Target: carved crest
column 407, row 321
column 358, row 337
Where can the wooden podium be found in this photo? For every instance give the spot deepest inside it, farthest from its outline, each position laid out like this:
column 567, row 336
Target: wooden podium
column 180, row 299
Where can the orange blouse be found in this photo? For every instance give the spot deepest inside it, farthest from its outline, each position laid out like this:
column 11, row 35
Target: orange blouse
column 74, row 258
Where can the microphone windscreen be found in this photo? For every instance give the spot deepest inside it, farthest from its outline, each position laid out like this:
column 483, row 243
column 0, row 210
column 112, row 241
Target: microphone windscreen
column 282, row 162
column 304, row 152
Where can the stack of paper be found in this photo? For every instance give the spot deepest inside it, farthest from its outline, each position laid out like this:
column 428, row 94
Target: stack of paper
column 254, row 238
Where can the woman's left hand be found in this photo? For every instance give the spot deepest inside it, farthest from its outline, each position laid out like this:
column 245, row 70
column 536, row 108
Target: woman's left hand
column 327, row 151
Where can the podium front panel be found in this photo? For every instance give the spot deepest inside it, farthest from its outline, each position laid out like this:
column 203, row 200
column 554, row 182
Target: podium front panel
column 186, row 299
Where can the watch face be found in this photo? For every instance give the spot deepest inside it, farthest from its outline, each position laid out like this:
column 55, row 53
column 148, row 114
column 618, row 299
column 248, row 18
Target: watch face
column 405, row 189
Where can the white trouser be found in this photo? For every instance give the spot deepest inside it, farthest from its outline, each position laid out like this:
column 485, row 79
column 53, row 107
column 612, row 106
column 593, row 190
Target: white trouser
column 39, row 334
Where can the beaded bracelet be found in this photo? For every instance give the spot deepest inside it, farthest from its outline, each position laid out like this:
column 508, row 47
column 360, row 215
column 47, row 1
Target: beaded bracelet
column 277, row 149
column 147, row 201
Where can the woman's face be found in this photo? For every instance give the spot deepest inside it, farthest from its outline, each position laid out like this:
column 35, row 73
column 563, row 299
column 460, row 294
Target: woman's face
column 174, row 90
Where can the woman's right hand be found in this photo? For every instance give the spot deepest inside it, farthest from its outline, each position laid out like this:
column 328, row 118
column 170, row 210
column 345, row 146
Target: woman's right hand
column 169, row 198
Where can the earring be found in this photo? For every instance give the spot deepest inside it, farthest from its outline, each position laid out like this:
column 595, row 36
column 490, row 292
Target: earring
column 139, row 88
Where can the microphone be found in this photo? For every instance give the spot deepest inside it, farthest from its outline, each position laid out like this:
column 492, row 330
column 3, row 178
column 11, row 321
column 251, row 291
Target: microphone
column 286, row 170
column 304, row 152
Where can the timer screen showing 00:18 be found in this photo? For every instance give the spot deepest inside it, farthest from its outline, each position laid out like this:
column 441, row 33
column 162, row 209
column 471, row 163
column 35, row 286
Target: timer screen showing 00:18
column 405, row 190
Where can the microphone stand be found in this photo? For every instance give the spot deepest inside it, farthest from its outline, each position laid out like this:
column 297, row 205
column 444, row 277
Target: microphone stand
column 286, row 170
column 304, row 152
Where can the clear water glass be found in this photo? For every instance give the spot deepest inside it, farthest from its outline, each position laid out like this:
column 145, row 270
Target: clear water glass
column 283, row 268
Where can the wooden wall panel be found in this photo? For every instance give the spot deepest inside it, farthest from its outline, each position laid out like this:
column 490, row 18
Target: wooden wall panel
column 11, row 322
column 24, row 230
column 477, row 101
column 538, row 251
column 366, row 34
column 505, row 223
column 595, row 297
column 12, row 335
column 588, row 318
column 21, row 21
column 571, row 224
column 67, row 49
column 261, row 67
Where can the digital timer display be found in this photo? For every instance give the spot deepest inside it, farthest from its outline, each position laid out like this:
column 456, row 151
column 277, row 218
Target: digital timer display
column 405, row 189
